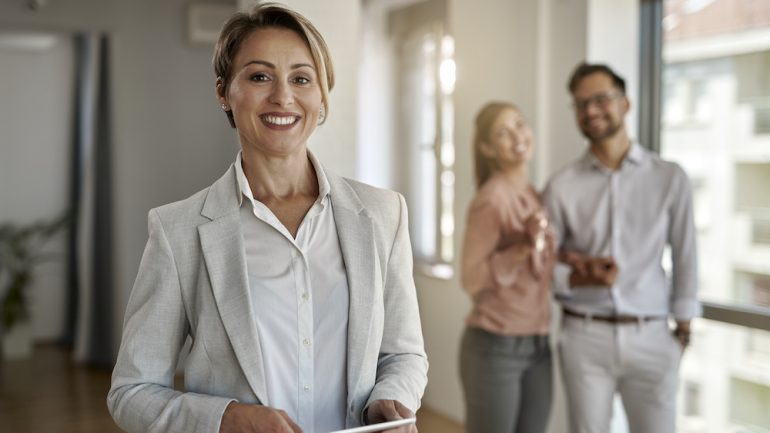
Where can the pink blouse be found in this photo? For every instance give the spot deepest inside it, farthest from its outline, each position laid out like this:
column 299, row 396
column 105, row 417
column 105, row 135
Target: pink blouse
column 507, row 277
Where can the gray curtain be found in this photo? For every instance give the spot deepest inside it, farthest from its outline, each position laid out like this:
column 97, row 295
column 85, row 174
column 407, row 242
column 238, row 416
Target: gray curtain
column 90, row 305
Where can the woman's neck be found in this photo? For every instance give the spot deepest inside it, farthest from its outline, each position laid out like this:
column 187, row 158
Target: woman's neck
column 281, row 177
column 517, row 175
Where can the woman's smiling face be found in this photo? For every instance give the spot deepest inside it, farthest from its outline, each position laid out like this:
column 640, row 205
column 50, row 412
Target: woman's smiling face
column 274, row 92
column 510, row 140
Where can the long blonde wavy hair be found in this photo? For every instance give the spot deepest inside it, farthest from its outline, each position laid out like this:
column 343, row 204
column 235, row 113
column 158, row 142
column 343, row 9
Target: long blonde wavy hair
column 484, row 166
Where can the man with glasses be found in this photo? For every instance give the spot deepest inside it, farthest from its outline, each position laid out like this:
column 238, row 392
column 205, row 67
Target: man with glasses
column 614, row 211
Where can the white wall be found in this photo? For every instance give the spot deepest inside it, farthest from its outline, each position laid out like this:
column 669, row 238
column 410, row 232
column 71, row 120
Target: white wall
column 377, row 154
column 35, row 91
column 170, row 138
column 613, row 38
column 563, row 45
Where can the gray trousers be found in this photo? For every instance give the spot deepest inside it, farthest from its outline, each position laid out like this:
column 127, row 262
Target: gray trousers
column 639, row 361
column 507, row 382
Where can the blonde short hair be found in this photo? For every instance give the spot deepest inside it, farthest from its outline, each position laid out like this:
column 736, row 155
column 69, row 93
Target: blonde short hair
column 271, row 15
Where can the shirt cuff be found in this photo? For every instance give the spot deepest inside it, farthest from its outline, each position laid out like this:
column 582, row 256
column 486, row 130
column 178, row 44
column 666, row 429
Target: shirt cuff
column 686, row 309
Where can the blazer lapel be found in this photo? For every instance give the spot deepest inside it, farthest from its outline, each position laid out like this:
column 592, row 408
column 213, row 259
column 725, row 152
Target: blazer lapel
column 223, row 252
column 356, row 235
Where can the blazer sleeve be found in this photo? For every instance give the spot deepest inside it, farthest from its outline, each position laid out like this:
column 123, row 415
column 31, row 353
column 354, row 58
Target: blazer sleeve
column 402, row 365
column 141, row 398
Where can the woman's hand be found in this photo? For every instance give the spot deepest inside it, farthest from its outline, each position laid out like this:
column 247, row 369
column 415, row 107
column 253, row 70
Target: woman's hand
column 254, row 418
column 536, row 227
column 590, row 271
column 390, row 410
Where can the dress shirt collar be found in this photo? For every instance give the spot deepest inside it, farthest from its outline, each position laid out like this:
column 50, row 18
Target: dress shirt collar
column 634, row 156
column 243, row 183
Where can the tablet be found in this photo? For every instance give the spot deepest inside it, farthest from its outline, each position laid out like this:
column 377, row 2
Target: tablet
column 379, row 426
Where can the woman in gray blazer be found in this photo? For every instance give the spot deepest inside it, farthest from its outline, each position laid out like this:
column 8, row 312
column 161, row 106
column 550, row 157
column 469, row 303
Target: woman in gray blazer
column 292, row 285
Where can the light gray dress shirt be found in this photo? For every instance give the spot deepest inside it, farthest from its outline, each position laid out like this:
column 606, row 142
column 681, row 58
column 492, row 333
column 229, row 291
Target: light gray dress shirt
column 631, row 214
column 300, row 297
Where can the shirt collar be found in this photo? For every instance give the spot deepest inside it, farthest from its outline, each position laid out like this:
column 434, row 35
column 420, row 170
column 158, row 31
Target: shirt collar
column 243, row 183
column 634, row 156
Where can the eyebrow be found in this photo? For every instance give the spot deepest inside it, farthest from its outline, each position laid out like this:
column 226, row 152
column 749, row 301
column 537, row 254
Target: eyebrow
column 600, row 93
column 272, row 66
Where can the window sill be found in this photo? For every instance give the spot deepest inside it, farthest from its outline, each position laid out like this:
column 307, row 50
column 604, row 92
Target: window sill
column 439, row 271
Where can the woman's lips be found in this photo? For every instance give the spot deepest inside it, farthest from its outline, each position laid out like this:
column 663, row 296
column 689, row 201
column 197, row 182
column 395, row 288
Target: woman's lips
column 279, row 121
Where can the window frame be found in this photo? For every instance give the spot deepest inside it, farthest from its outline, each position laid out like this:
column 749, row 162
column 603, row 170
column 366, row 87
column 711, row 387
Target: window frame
column 650, row 114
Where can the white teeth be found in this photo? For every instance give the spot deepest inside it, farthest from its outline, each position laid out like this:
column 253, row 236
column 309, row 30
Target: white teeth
column 520, row 148
column 280, row 120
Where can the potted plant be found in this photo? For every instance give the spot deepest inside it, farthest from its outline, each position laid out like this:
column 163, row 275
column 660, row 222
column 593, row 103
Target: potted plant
column 20, row 252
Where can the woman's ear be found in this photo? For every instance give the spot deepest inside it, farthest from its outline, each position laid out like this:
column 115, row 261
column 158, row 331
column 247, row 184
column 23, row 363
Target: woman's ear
column 219, row 88
column 487, row 150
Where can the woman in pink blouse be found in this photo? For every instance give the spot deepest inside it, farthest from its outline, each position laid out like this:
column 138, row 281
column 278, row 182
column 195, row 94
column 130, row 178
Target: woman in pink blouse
column 508, row 255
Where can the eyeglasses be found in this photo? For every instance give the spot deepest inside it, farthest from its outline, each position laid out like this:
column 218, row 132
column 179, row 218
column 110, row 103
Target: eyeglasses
column 600, row 99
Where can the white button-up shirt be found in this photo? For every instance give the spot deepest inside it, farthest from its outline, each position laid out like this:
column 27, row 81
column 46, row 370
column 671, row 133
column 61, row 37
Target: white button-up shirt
column 631, row 214
column 300, row 293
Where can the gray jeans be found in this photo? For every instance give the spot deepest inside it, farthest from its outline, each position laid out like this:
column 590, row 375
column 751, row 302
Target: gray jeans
column 507, row 382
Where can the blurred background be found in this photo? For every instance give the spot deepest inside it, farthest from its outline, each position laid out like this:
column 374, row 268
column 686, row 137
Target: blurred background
column 107, row 109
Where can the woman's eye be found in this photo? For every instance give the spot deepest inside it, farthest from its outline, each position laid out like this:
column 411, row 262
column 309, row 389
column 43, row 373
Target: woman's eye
column 259, row 77
column 302, row 80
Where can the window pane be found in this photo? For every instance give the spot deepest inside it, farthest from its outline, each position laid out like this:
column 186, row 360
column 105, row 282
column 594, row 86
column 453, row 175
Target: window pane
column 716, row 124
column 427, row 72
column 725, row 380
column 419, row 123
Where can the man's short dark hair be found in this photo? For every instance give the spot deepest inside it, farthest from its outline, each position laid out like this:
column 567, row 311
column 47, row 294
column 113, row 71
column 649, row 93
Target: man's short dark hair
column 585, row 69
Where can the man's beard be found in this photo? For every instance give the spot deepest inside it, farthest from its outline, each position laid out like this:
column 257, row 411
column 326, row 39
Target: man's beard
column 611, row 129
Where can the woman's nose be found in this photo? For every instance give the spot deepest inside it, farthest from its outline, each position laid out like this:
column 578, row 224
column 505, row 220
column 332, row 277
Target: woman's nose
column 281, row 94
column 518, row 135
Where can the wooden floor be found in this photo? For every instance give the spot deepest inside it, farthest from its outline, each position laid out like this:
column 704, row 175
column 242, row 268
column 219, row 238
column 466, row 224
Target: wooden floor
column 49, row 393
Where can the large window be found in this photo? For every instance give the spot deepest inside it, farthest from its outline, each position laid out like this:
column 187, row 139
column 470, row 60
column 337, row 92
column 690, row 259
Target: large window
column 426, row 83
column 713, row 118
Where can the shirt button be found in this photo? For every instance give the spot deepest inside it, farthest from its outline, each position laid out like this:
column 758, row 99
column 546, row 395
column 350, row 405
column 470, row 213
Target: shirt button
column 306, row 342
column 294, row 254
column 305, row 296
column 307, row 387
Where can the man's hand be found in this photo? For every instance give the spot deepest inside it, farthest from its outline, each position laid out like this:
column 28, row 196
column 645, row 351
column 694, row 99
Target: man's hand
column 576, row 261
column 254, row 418
column 682, row 333
column 390, row 410
column 590, row 271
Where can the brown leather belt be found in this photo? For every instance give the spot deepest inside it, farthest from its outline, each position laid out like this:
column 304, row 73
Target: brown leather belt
column 617, row 320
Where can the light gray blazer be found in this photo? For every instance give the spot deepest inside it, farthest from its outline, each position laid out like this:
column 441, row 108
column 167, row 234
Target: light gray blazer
column 192, row 282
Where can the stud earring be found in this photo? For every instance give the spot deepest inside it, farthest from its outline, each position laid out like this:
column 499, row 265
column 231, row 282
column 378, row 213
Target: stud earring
column 321, row 115
column 224, row 107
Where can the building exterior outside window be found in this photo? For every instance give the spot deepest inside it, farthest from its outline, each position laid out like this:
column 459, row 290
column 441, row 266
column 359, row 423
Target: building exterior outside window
column 715, row 122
